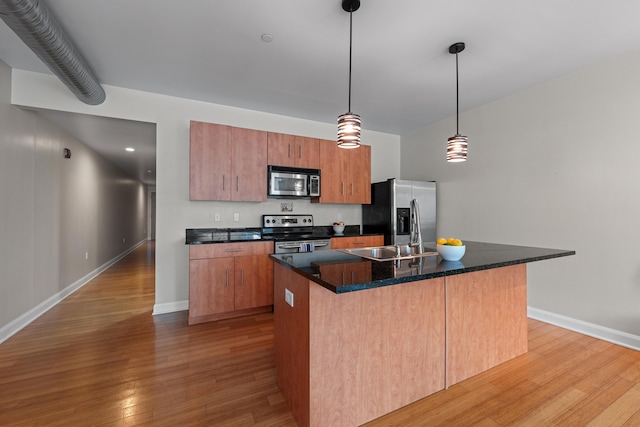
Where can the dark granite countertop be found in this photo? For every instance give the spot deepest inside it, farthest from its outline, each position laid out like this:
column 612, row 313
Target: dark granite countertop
column 321, row 266
column 199, row 236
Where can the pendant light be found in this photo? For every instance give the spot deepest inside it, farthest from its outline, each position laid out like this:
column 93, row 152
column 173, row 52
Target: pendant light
column 349, row 123
column 457, row 144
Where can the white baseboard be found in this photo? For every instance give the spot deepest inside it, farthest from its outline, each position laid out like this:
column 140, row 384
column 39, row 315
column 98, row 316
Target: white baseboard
column 170, row 307
column 23, row 320
column 601, row 332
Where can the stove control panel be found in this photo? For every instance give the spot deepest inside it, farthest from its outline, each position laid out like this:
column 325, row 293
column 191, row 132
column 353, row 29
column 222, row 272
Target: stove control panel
column 283, row 221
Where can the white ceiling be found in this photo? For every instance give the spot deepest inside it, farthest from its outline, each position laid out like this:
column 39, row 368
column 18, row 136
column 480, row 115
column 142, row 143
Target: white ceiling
column 403, row 75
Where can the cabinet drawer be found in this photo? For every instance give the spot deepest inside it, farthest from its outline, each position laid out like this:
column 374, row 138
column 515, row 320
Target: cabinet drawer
column 222, row 250
column 356, row 242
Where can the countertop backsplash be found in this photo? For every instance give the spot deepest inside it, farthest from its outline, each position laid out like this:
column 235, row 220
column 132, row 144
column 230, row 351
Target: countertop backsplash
column 250, row 214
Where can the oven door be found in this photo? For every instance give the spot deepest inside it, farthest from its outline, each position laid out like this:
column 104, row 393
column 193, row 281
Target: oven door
column 288, row 184
column 301, row 246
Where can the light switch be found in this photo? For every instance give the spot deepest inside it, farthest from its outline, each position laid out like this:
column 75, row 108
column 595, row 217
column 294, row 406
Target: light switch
column 216, row 217
column 236, row 217
column 288, row 296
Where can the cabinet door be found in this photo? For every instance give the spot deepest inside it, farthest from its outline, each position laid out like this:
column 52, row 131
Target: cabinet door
column 254, row 281
column 357, row 175
column 306, row 152
column 347, row 273
column 293, row 151
column 211, row 287
column 209, row 162
column 361, row 272
column 249, row 165
column 281, row 149
column 332, row 184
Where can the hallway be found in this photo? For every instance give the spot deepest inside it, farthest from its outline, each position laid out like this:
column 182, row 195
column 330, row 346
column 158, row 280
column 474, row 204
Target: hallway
column 100, row 358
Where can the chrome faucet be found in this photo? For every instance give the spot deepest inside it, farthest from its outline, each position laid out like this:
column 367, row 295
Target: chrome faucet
column 415, row 238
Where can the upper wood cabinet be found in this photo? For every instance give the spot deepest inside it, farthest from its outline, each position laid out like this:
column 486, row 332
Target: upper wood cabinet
column 345, row 174
column 227, row 163
column 295, row 151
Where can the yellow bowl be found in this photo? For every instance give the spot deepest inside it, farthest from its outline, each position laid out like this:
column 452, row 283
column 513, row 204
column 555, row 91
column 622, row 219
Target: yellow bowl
column 451, row 253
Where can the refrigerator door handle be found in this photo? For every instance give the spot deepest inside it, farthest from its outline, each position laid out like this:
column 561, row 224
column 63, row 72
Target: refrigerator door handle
column 416, row 234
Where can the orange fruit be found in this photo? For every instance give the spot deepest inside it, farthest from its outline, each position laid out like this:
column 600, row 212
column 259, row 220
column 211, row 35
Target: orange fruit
column 441, row 241
column 451, row 241
column 457, row 242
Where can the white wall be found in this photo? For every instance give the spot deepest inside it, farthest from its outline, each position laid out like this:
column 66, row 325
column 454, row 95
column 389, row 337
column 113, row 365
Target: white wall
column 55, row 210
column 175, row 212
column 553, row 166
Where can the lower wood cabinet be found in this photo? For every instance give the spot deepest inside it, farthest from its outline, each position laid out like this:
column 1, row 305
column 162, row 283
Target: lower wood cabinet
column 229, row 280
column 356, row 242
column 346, row 273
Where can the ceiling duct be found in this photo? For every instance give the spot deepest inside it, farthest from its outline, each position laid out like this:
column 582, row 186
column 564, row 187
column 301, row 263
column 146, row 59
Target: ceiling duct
column 38, row 29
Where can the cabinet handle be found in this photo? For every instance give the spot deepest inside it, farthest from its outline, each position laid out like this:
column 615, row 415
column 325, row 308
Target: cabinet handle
column 223, row 182
column 289, row 150
column 343, row 188
column 342, row 278
column 352, row 280
column 242, row 276
column 352, row 188
column 227, row 282
column 234, row 250
column 300, row 151
column 358, row 243
column 237, row 183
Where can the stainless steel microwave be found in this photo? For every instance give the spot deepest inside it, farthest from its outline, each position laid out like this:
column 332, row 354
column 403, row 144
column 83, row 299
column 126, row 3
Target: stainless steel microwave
column 293, row 182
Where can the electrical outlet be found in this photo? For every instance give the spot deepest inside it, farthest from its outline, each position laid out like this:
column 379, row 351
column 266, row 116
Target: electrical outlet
column 216, row 217
column 288, row 296
column 124, row 240
column 236, row 217
column 86, row 256
column 339, row 216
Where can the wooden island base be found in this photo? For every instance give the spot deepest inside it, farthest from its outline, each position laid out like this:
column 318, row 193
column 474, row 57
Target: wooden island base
column 346, row 359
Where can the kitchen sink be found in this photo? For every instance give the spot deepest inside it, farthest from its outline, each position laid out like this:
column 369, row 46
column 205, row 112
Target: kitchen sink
column 387, row 253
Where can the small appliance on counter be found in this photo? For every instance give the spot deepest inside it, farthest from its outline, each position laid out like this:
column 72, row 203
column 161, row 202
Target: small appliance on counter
column 292, row 233
column 390, row 211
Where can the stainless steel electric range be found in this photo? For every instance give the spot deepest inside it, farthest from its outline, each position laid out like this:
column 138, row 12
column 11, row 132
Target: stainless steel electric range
column 293, row 233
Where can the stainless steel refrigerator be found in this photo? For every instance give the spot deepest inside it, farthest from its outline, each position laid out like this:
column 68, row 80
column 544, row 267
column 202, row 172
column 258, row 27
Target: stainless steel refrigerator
column 390, row 211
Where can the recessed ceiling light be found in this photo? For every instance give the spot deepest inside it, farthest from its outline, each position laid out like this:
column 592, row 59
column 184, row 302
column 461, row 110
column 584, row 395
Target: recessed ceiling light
column 267, row 38
column 130, row 149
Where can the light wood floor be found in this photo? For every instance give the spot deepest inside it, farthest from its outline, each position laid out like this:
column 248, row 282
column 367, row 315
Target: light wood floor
column 100, row 358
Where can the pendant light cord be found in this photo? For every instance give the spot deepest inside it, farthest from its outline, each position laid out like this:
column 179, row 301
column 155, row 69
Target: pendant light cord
column 457, row 100
column 350, row 48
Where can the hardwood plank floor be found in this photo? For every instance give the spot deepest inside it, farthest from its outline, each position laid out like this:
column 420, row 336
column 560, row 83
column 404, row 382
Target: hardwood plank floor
column 99, row 358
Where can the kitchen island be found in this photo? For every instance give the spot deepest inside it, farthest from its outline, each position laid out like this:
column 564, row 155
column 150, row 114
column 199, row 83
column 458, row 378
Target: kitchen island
column 357, row 338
